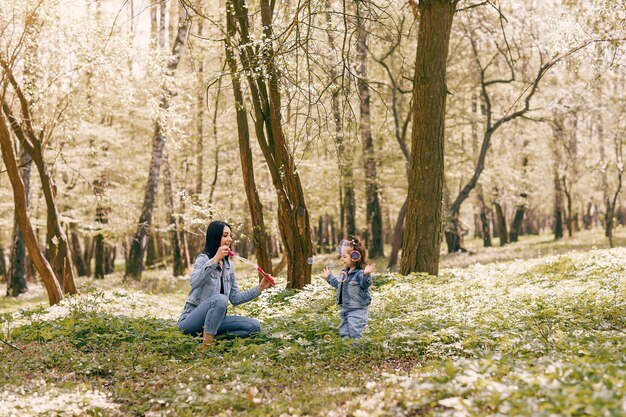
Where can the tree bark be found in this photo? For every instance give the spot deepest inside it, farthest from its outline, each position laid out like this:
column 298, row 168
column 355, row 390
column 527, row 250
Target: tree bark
column 177, row 263
column 134, row 266
column 484, row 218
column 374, row 218
column 422, row 231
column 397, row 237
column 293, row 215
column 16, row 279
column 44, row 269
column 502, row 232
column 516, row 226
column 77, row 251
column 259, row 234
column 344, row 159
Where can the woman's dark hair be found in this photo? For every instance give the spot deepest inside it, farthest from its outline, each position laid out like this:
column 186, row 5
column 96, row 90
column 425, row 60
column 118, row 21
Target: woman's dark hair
column 214, row 237
column 354, row 244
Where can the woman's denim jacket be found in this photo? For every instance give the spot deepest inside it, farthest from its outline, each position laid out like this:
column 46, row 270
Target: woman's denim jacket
column 205, row 282
column 354, row 291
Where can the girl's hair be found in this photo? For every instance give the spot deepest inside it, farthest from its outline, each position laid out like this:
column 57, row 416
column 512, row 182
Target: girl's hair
column 214, row 237
column 354, row 244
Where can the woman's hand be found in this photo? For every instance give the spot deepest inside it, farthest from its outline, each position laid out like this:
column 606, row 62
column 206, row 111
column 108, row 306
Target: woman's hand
column 264, row 284
column 369, row 269
column 326, row 272
column 221, row 253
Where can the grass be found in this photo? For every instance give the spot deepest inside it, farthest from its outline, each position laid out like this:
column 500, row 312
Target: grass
column 527, row 336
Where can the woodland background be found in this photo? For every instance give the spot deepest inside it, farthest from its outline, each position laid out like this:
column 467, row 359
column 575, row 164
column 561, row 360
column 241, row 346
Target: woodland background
column 494, row 212
column 128, row 111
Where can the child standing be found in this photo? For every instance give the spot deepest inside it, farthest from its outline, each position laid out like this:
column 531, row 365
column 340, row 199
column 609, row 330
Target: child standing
column 352, row 286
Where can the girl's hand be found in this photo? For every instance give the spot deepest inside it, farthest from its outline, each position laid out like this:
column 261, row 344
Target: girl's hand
column 264, row 284
column 326, row 272
column 369, row 269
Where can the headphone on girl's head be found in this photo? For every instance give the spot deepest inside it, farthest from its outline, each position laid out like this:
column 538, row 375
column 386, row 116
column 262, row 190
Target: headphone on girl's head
column 355, row 255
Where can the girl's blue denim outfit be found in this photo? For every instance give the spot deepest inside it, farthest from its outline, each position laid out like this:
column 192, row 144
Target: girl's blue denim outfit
column 353, row 297
column 211, row 289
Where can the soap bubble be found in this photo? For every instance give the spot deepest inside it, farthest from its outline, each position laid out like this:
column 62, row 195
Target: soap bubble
column 310, row 261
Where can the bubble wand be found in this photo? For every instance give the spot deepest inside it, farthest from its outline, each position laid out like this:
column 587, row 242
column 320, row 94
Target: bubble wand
column 255, row 266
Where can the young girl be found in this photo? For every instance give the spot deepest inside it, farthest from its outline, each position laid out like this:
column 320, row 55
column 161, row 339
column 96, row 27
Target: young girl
column 353, row 284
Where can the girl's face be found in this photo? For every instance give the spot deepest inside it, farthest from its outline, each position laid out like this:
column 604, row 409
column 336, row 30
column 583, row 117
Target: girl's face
column 227, row 237
column 345, row 257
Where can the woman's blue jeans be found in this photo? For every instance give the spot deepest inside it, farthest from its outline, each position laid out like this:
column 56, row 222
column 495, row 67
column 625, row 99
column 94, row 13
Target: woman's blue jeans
column 210, row 316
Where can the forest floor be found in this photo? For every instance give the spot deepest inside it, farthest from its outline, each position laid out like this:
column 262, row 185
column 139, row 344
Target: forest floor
column 535, row 328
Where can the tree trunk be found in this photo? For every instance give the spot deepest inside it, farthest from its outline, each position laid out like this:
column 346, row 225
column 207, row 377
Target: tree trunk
column 77, row 251
column 558, row 207
column 569, row 222
column 373, row 211
column 502, row 232
column 558, row 131
column 422, row 231
column 134, row 266
column 16, row 278
column 200, row 103
column 348, row 206
column 3, row 263
column 102, row 217
column 516, row 226
column 57, row 242
column 44, row 269
column 293, row 215
column 60, row 252
column 259, row 233
column 99, row 255
column 484, row 218
column 88, row 254
column 177, row 266
column 397, row 237
column 109, row 259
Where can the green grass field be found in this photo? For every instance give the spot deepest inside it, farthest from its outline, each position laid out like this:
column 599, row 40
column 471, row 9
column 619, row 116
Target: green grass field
column 532, row 329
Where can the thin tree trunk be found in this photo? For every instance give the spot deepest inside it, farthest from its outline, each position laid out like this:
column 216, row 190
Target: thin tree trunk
column 259, row 233
column 397, row 237
column 200, row 103
column 619, row 163
column 502, row 232
column 422, row 231
column 484, row 218
column 99, row 255
column 293, row 215
column 55, row 294
column 3, row 263
column 177, row 266
column 102, row 217
column 347, row 198
column 77, row 251
column 558, row 130
column 16, row 279
column 57, row 242
column 516, row 226
column 134, row 266
column 373, row 211
column 88, row 254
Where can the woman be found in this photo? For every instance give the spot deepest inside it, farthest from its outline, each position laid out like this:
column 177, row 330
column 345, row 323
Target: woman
column 213, row 284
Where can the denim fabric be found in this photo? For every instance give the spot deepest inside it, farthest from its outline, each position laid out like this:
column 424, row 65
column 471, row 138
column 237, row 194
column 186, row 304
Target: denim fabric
column 210, row 316
column 353, row 321
column 353, row 291
column 205, row 282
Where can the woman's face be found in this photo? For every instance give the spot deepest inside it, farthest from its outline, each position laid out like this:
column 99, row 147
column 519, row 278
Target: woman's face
column 227, row 237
